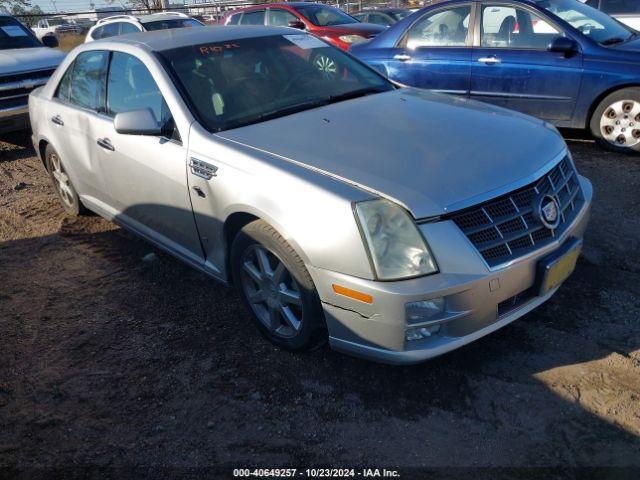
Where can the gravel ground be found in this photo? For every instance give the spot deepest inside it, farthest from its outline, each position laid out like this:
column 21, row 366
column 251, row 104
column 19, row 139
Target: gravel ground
column 107, row 359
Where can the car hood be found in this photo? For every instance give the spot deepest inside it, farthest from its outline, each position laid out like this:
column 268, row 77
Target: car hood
column 364, row 29
column 426, row 151
column 25, row 59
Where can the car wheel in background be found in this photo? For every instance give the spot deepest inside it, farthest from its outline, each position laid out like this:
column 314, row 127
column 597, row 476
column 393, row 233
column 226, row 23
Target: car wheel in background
column 615, row 123
column 62, row 183
column 276, row 287
column 326, row 65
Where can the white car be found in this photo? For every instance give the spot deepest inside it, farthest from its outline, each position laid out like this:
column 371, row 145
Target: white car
column 123, row 24
column 627, row 11
column 54, row 26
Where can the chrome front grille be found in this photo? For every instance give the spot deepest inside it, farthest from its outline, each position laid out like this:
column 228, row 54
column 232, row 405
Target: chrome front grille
column 15, row 88
column 507, row 227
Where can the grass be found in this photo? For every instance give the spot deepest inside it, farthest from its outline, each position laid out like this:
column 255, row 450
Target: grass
column 69, row 42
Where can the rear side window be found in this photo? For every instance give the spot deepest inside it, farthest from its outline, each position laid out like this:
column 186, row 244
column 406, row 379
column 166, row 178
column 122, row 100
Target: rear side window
column 83, row 83
column 620, row 7
column 443, row 28
column 128, row 28
column 253, row 18
column 131, row 87
column 234, row 19
column 97, row 33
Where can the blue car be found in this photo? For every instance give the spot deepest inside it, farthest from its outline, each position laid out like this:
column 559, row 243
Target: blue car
column 559, row 60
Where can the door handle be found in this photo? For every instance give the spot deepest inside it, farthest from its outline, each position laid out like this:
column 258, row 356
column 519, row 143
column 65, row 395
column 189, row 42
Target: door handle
column 57, row 120
column 199, row 191
column 489, row 60
column 403, row 57
column 106, row 144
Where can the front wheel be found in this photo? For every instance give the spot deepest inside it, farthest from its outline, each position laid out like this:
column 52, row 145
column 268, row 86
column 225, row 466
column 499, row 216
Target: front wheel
column 615, row 123
column 276, row 288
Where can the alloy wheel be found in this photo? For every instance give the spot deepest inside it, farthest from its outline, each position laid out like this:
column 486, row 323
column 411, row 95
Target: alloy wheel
column 61, row 179
column 272, row 292
column 326, row 65
column 620, row 123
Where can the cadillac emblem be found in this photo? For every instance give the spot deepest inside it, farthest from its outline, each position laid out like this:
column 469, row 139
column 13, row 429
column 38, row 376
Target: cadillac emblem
column 548, row 211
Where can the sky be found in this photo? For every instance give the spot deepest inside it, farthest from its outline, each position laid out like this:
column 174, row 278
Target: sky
column 72, row 5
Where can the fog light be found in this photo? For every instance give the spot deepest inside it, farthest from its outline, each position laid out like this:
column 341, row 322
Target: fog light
column 420, row 333
column 423, row 311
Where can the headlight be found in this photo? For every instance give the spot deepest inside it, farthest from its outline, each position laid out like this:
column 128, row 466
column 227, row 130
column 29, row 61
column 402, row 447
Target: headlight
column 352, row 38
column 396, row 246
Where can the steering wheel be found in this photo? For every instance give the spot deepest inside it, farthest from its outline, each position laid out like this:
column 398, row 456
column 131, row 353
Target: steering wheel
column 300, row 77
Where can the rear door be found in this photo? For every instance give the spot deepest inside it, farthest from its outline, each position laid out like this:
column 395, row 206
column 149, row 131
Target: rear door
column 513, row 68
column 71, row 113
column 435, row 51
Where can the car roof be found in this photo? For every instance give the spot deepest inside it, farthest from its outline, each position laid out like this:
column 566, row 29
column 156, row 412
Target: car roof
column 160, row 40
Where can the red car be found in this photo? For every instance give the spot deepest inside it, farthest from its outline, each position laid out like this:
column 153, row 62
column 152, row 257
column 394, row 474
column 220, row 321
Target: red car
column 328, row 23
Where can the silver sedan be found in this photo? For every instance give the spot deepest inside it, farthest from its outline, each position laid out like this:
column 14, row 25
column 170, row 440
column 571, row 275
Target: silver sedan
column 396, row 223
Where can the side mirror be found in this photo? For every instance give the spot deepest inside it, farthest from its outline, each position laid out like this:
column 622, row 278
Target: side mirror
column 299, row 24
column 137, row 122
column 50, row 41
column 565, row 45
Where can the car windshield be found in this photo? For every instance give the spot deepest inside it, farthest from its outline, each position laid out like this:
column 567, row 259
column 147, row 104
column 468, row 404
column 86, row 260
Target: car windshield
column 239, row 82
column 591, row 22
column 172, row 23
column 323, row 16
column 15, row 35
column 53, row 22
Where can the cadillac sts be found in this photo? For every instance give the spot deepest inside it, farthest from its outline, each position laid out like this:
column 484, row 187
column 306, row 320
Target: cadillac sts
column 342, row 207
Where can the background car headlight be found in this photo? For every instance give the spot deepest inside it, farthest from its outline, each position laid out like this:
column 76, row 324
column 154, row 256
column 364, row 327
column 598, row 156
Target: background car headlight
column 352, row 38
column 396, row 246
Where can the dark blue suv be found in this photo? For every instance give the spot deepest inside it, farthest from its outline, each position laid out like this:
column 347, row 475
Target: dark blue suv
column 559, row 60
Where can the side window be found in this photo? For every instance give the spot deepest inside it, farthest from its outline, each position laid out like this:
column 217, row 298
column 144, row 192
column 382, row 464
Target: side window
column 234, row 19
column 97, row 33
column 509, row 27
column 87, row 84
column 380, row 19
column 110, row 30
column 280, row 18
column 361, row 17
column 64, row 87
column 253, row 18
column 128, row 28
column 444, row 28
column 131, row 87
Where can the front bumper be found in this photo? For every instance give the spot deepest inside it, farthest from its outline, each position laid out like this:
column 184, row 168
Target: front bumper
column 475, row 297
column 14, row 118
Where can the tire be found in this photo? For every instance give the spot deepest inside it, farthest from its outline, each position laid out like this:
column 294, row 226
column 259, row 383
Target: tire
column 618, row 112
column 62, row 184
column 266, row 296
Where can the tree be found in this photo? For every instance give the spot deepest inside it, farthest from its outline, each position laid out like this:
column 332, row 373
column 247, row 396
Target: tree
column 9, row 4
column 28, row 16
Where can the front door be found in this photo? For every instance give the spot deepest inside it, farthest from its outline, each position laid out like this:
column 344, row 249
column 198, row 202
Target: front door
column 146, row 175
column 435, row 52
column 513, row 68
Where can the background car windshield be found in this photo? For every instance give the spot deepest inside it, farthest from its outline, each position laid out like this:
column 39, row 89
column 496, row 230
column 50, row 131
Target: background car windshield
column 591, row 22
column 325, row 16
column 235, row 83
column 402, row 13
column 14, row 35
column 56, row 21
column 173, row 23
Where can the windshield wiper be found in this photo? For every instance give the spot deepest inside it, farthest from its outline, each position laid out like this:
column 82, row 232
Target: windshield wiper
column 355, row 94
column 275, row 113
column 612, row 41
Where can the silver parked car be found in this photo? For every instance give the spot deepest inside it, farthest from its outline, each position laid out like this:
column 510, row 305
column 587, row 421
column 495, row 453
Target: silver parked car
column 341, row 206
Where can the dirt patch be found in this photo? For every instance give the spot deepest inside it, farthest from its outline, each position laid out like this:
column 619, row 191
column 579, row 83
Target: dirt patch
column 111, row 360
